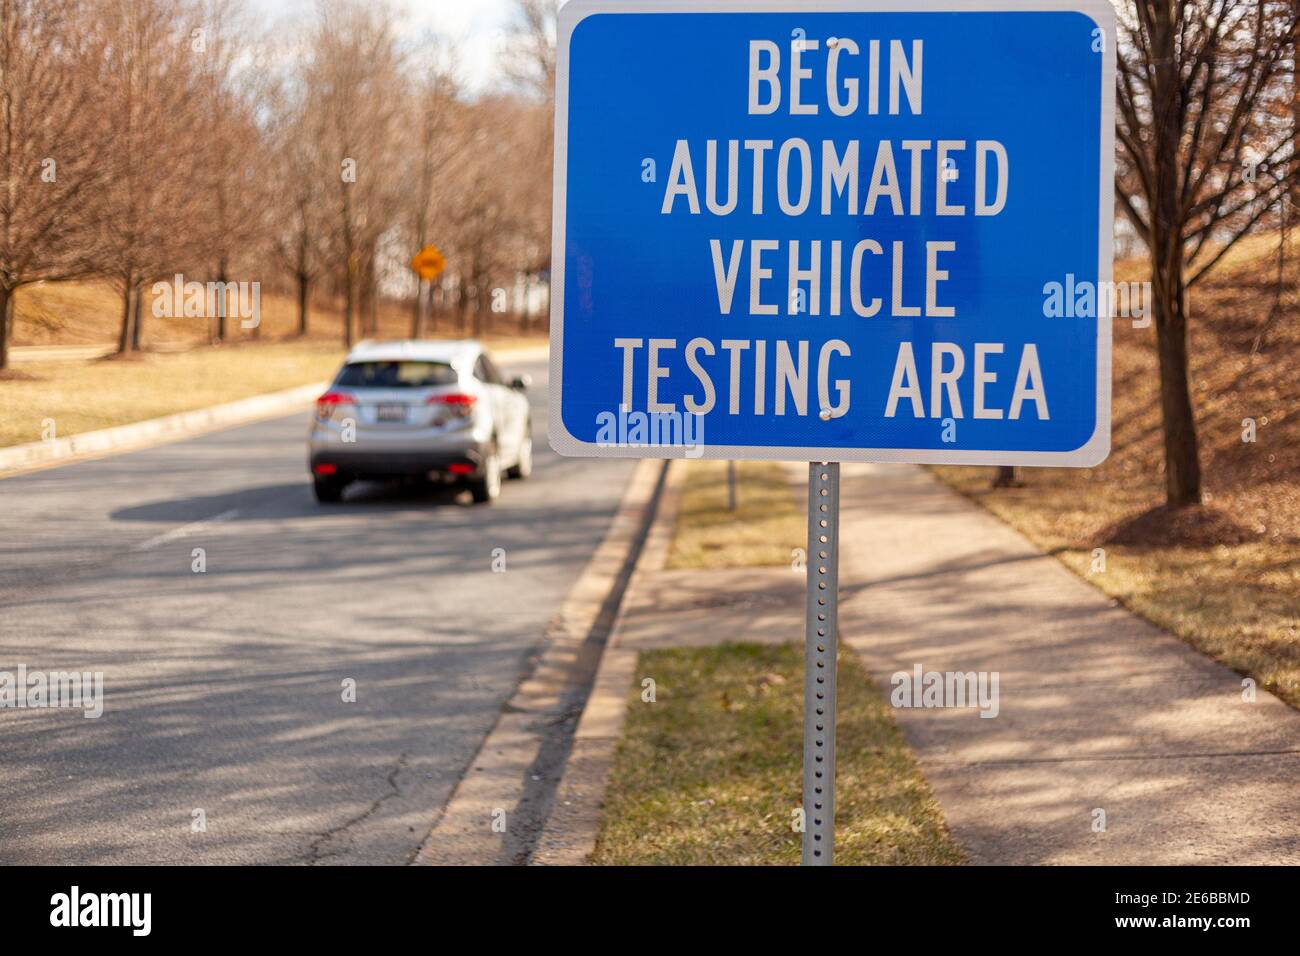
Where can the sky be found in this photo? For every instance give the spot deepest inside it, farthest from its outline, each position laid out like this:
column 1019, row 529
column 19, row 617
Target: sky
column 476, row 29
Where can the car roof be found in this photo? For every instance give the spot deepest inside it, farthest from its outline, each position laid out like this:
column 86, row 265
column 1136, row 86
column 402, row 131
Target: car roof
column 451, row 351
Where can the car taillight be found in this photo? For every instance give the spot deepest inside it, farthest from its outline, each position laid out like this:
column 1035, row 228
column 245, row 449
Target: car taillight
column 456, row 403
column 326, row 404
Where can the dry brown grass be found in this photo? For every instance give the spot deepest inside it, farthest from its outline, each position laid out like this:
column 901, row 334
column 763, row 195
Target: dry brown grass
column 178, row 371
column 83, row 396
column 1227, row 579
column 767, row 525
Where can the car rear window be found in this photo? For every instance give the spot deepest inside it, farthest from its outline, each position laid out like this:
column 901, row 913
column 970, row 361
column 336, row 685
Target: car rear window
column 396, row 374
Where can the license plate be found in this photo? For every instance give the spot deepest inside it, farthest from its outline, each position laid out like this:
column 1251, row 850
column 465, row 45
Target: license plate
column 390, row 413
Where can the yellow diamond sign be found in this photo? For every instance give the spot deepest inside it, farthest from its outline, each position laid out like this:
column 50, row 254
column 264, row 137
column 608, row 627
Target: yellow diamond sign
column 428, row 263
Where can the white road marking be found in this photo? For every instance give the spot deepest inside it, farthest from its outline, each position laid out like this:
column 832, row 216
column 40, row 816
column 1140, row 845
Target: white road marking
column 185, row 529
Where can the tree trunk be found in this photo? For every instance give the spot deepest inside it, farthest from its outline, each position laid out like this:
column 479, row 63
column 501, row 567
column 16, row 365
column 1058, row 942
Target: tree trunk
column 1006, row 477
column 347, row 307
column 1295, row 100
column 137, row 311
column 6, row 324
column 1182, row 460
column 417, row 310
column 304, row 282
column 223, row 307
column 368, row 304
column 1182, row 463
column 363, row 303
column 214, row 334
column 124, row 335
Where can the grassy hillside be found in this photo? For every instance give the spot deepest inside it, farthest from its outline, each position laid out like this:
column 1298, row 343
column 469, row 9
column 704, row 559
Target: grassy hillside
column 70, row 397
column 1225, row 577
column 178, row 371
column 89, row 313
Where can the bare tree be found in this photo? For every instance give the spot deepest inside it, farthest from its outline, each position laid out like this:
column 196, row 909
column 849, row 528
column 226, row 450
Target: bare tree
column 233, row 194
column 53, row 155
column 531, row 63
column 353, row 72
column 154, row 137
column 144, row 137
column 483, row 211
column 300, row 227
column 1206, row 150
column 532, row 68
column 434, row 147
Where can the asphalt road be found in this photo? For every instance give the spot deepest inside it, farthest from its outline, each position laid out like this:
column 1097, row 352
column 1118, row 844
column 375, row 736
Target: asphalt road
column 224, row 689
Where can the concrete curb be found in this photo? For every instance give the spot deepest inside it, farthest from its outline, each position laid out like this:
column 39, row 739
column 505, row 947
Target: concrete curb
column 513, row 753
column 154, row 431
column 35, row 456
column 569, row 836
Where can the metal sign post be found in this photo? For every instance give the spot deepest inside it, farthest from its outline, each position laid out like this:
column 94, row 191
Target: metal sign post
column 821, row 636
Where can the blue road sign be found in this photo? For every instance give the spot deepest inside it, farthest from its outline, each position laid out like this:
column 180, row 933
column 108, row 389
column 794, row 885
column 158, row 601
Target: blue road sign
column 834, row 231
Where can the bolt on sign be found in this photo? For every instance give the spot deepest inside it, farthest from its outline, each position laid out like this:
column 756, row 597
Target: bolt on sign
column 428, row 263
column 821, row 230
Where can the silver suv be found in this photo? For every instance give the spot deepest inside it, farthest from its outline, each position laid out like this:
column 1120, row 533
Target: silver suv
column 420, row 408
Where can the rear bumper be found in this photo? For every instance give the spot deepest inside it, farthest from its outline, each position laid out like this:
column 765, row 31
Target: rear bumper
column 363, row 464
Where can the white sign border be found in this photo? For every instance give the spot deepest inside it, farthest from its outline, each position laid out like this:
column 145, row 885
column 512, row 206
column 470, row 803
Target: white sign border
column 1093, row 452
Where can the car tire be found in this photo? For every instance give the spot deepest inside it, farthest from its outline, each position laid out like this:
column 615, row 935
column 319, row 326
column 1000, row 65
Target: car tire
column 524, row 467
column 487, row 486
column 328, row 492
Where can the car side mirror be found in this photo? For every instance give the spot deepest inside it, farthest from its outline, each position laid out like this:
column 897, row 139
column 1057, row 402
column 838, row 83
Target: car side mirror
column 521, row 382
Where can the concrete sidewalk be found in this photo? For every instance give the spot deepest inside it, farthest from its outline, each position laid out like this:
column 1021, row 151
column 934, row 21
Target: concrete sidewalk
column 1099, row 710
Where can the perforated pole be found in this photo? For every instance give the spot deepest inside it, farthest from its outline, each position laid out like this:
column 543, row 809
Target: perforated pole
column 820, row 642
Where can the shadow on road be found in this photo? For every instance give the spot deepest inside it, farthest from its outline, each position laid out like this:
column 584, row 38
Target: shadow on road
column 293, row 500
